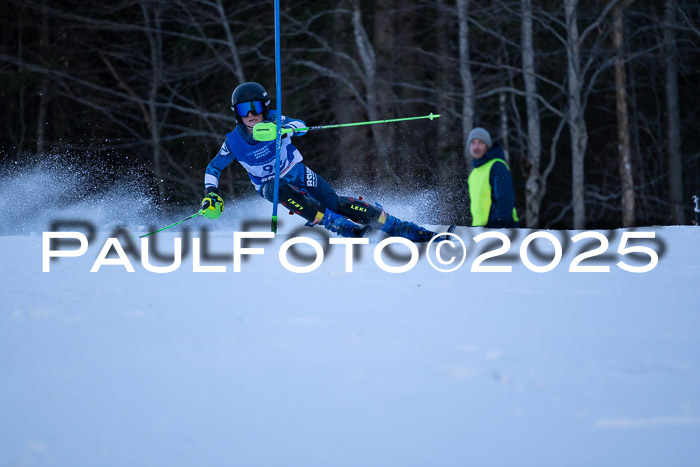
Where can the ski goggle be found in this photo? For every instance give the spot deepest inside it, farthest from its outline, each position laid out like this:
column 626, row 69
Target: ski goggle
column 253, row 106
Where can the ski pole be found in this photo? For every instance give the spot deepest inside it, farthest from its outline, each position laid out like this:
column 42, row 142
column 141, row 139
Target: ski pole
column 267, row 131
column 198, row 213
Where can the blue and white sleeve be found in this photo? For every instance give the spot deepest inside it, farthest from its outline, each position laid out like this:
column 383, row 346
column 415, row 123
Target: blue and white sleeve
column 222, row 159
column 288, row 122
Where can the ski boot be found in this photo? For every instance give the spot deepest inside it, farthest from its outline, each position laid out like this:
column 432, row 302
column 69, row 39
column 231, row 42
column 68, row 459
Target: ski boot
column 343, row 226
column 398, row 228
column 395, row 227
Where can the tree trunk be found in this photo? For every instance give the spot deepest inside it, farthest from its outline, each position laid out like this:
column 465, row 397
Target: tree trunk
column 465, row 77
column 156, row 57
column 623, row 133
column 22, row 91
column 230, row 39
column 383, row 45
column 44, row 82
column 353, row 167
column 503, row 112
column 369, row 67
column 444, row 126
column 450, row 166
column 577, row 124
column 675, row 158
column 639, row 175
column 534, row 187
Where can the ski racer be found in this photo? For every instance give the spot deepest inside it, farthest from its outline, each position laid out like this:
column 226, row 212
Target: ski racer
column 301, row 190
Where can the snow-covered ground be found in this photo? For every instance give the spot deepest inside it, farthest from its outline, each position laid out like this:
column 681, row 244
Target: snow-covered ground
column 267, row 367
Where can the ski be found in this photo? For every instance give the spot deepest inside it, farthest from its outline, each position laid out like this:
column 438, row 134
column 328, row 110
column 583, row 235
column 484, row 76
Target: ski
column 442, row 237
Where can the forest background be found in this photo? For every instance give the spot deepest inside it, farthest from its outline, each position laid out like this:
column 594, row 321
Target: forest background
column 595, row 103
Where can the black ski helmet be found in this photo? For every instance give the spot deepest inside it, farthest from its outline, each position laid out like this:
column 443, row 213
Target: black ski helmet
column 246, row 92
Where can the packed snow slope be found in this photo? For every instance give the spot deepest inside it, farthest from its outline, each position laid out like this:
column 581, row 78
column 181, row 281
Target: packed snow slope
column 269, row 367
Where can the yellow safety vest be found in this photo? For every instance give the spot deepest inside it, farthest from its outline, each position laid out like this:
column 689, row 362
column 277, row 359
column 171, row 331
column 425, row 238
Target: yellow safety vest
column 480, row 193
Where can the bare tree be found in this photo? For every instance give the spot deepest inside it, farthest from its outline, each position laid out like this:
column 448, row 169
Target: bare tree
column 231, row 42
column 344, row 103
column 465, row 75
column 368, row 61
column 443, row 76
column 152, row 22
column 673, row 133
column 504, row 132
column 577, row 124
column 44, row 86
column 623, row 132
column 534, row 187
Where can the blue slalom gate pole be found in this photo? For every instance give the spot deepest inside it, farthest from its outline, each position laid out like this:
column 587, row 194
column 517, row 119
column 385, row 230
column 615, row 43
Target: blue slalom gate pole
column 278, row 145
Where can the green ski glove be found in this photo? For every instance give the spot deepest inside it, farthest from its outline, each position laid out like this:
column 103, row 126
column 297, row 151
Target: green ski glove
column 212, row 206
